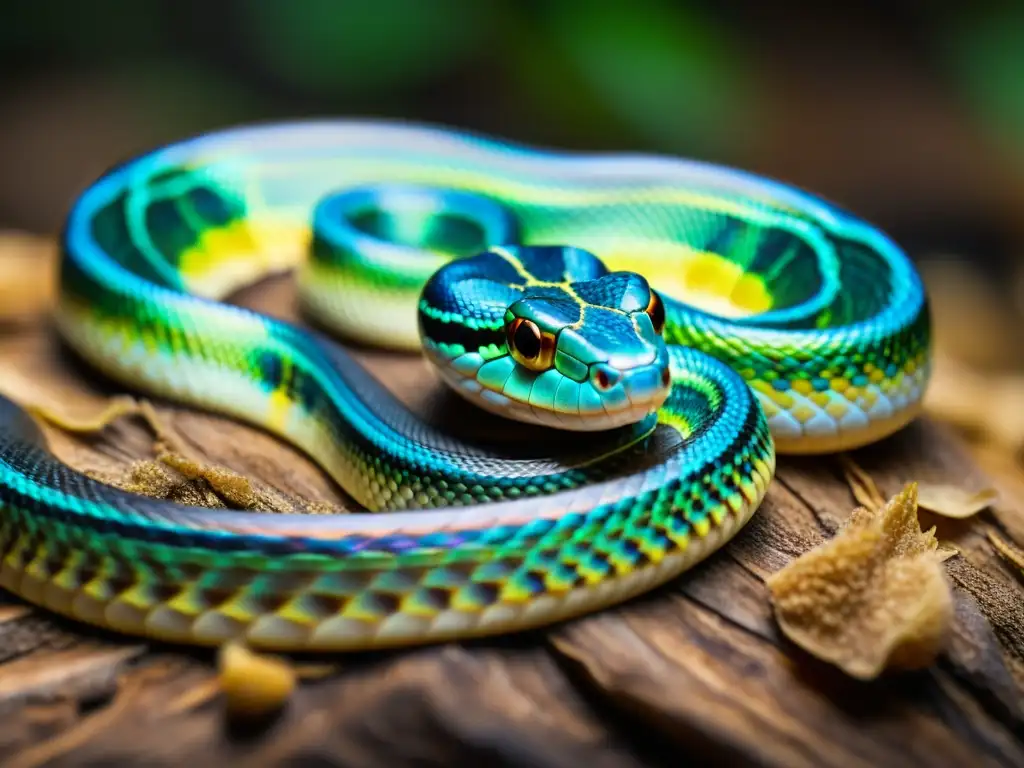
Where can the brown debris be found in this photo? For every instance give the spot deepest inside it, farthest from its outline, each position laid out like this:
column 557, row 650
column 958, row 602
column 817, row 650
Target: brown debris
column 254, row 685
column 175, row 475
column 186, row 481
column 873, row 597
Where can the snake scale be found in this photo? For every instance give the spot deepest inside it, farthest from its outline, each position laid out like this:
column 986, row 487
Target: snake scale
column 665, row 325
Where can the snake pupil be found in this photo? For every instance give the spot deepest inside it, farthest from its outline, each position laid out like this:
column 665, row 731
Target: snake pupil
column 526, row 339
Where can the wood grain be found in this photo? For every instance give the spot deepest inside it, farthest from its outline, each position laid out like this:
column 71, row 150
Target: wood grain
column 697, row 671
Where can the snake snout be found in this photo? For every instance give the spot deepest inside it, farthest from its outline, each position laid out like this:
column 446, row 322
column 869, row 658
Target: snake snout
column 637, row 390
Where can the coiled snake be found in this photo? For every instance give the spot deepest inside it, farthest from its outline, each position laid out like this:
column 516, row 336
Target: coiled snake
column 776, row 322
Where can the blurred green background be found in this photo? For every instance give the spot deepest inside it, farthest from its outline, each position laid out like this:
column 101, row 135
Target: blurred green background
column 910, row 115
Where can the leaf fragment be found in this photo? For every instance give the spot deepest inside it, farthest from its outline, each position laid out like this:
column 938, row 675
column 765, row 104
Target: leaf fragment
column 872, row 598
column 861, row 485
column 1008, row 552
column 954, row 501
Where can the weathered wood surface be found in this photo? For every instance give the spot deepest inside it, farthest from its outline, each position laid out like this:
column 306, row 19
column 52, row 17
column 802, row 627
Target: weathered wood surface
column 696, row 672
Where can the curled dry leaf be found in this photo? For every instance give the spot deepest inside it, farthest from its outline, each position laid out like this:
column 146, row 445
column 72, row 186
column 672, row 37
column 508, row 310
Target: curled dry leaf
column 953, row 501
column 254, row 685
column 863, row 487
column 873, row 597
column 1008, row 552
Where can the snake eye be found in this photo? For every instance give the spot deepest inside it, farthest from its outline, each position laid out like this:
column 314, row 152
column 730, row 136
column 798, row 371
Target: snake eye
column 656, row 311
column 529, row 346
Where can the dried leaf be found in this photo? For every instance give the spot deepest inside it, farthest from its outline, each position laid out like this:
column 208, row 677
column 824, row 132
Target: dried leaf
column 192, row 481
column 254, row 685
column 953, row 501
column 58, row 416
column 167, row 439
column 1009, row 553
column 873, row 597
column 863, row 487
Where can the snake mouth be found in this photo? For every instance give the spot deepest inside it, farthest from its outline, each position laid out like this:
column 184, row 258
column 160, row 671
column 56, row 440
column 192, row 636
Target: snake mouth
column 623, row 397
column 602, row 415
column 598, row 397
column 580, row 406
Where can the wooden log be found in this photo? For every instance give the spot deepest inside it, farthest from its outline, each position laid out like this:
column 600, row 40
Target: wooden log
column 696, row 671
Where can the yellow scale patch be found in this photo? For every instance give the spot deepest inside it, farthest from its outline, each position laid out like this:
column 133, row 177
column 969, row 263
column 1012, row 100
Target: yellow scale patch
column 782, row 399
column 703, row 279
column 863, row 397
column 228, row 257
column 836, row 410
column 678, row 422
column 802, row 413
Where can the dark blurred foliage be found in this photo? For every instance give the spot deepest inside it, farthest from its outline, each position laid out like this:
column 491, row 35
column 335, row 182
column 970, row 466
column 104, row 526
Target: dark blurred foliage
column 907, row 113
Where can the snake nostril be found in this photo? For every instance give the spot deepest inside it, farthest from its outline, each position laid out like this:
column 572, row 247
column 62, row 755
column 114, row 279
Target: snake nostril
column 666, row 377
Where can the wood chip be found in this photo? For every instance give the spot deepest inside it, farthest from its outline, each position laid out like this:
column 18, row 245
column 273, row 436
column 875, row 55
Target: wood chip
column 873, row 597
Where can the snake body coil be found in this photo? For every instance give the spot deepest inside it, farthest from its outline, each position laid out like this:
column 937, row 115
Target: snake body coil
column 690, row 318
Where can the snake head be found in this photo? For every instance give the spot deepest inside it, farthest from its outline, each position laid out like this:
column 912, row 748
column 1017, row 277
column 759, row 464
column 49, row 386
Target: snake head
column 591, row 354
column 546, row 335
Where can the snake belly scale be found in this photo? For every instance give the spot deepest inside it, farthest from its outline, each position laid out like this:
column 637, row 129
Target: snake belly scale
column 668, row 325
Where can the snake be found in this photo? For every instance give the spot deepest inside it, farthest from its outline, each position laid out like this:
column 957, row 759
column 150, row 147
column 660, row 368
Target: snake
column 660, row 328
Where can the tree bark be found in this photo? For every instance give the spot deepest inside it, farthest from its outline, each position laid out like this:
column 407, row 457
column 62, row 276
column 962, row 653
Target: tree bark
column 697, row 671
